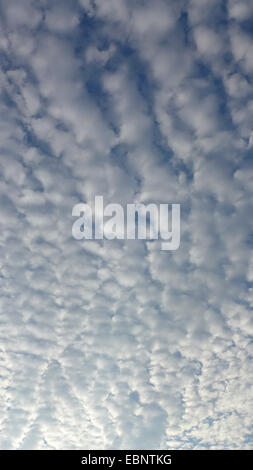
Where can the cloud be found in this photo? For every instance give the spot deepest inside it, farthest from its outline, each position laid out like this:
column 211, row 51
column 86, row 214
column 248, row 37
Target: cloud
column 115, row 344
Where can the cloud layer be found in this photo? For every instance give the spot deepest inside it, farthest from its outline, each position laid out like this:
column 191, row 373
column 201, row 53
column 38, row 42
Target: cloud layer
column 115, row 344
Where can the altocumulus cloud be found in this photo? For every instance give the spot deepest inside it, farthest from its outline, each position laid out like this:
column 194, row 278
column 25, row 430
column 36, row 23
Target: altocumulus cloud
column 115, row 344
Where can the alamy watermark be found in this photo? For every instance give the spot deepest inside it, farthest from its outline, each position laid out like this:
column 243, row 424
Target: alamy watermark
column 141, row 222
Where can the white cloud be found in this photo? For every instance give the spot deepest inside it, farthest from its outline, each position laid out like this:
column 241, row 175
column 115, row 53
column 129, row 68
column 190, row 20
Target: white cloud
column 115, row 344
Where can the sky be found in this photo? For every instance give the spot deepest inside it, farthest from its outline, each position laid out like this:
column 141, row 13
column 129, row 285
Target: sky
column 117, row 344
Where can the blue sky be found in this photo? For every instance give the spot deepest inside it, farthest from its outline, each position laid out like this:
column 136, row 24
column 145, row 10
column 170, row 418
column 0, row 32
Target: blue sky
column 116, row 344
